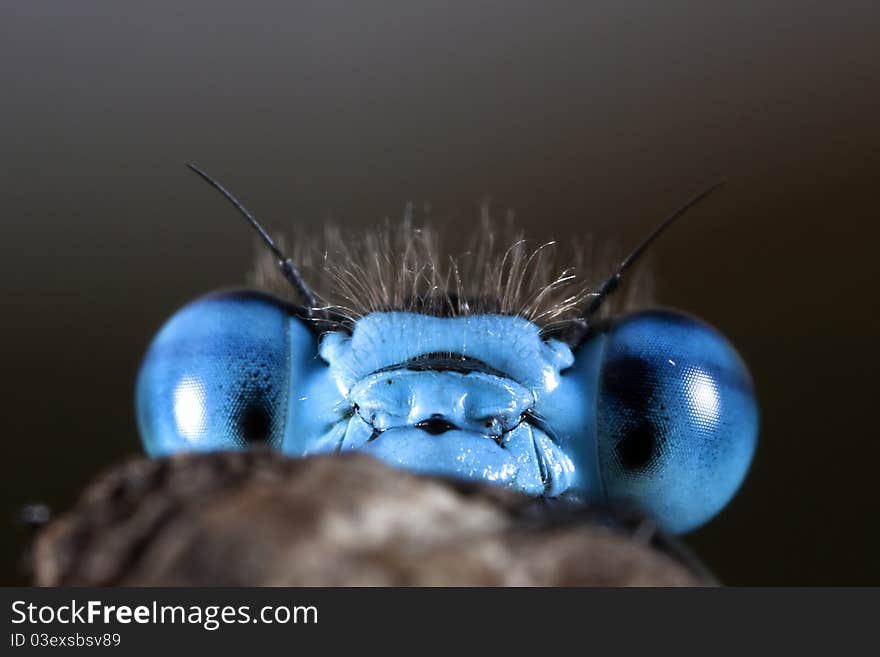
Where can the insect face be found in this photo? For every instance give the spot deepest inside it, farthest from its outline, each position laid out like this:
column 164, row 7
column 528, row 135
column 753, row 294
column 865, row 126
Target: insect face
column 654, row 407
column 658, row 409
column 452, row 395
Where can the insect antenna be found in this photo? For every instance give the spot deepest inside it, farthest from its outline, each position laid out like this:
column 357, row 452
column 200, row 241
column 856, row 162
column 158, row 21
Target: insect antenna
column 288, row 269
column 613, row 282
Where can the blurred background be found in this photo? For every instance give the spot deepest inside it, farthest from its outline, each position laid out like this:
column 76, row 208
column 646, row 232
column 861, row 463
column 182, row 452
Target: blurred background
column 584, row 117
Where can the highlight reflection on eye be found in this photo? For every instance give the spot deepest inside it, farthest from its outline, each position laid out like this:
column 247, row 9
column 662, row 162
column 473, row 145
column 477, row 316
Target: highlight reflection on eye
column 189, row 408
column 703, row 398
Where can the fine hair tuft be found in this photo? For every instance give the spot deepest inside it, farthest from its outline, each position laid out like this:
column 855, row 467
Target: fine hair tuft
column 402, row 266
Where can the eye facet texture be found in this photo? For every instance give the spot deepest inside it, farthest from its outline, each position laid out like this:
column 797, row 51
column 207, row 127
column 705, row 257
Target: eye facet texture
column 677, row 418
column 216, row 376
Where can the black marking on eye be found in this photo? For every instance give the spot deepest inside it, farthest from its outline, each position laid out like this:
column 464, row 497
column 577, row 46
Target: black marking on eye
column 255, row 422
column 630, row 381
column 638, row 447
column 631, row 385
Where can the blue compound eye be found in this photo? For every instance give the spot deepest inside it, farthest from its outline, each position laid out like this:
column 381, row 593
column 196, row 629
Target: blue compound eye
column 677, row 418
column 216, row 376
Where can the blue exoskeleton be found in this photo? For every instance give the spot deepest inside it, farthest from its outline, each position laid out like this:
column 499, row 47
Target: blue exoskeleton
column 653, row 407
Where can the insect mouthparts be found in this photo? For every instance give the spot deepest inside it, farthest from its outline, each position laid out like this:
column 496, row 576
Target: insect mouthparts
column 435, row 425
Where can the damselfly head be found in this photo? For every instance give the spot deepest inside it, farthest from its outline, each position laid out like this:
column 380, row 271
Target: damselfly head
column 491, row 365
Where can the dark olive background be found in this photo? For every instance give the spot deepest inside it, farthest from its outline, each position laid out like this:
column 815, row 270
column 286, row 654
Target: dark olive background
column 585, row 117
